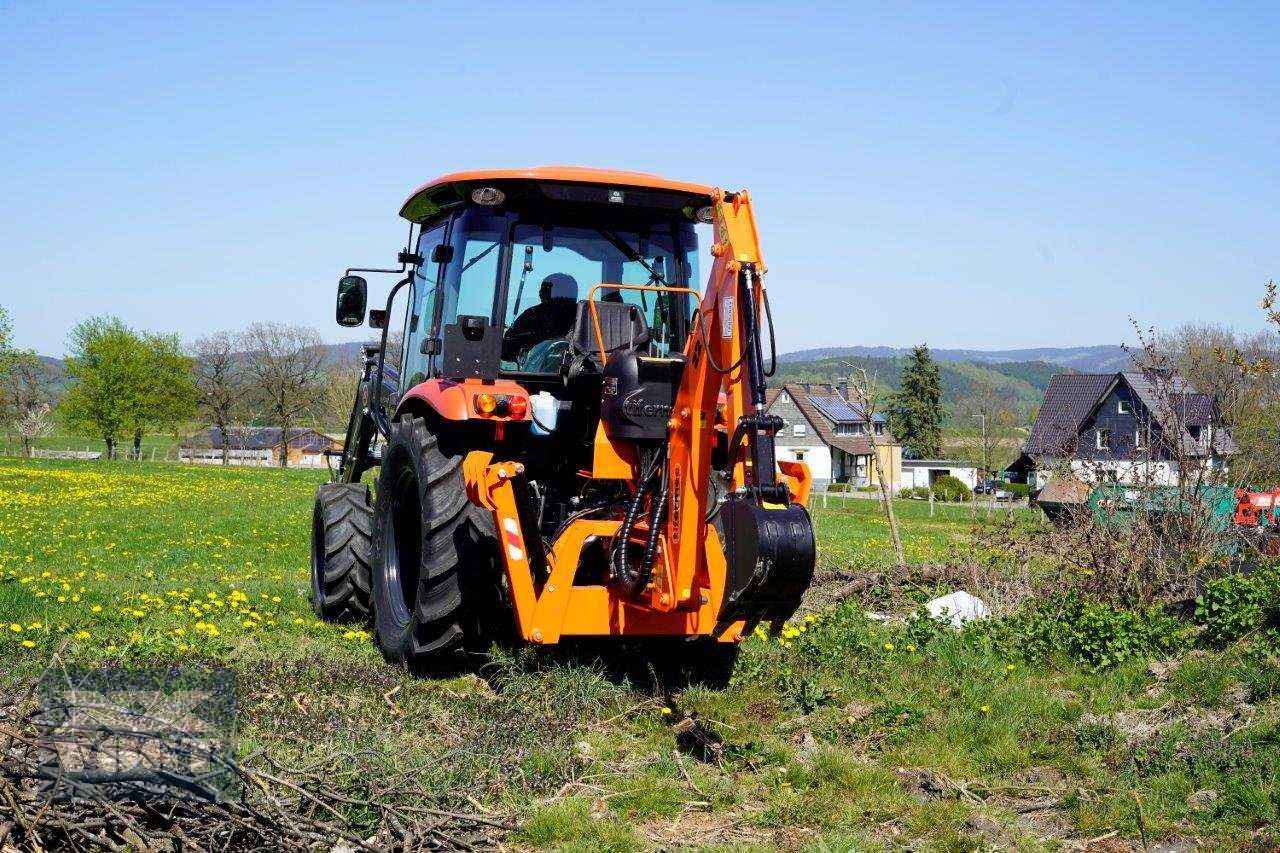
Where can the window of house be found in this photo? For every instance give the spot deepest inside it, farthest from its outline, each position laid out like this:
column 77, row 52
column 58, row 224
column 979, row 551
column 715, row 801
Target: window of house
column 799, row 454
column 1104, row 438
column 879, row 429
column 782, row 397
column 858, row 429
column 1124, row 407
column 798, row 430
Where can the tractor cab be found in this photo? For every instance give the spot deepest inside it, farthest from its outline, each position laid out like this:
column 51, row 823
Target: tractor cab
column 506, row 262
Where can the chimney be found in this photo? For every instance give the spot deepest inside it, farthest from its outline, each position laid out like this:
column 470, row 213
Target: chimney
column 842, row 385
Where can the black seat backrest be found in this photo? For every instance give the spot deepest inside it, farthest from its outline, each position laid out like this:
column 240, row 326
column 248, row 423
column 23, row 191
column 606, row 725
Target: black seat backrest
column 622, row 326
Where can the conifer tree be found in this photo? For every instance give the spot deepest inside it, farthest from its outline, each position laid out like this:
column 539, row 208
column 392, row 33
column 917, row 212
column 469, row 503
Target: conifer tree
column 915, row 411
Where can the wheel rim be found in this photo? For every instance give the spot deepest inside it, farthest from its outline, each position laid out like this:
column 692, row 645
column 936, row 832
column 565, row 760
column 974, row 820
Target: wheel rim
column 403, row 547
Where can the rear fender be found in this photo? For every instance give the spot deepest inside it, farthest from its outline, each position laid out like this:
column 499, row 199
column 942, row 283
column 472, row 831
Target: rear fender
column 452, row 400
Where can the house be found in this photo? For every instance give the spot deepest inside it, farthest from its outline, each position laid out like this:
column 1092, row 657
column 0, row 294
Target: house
column 1136, row 427
column 260, row 446
column 925, row 472
column 832, row 435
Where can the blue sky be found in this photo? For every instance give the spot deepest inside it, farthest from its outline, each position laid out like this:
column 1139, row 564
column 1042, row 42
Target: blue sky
column 988, row 176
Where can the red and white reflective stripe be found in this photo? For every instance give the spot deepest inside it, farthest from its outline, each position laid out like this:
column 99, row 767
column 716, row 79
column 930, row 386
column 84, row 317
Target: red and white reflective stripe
column 512, row 531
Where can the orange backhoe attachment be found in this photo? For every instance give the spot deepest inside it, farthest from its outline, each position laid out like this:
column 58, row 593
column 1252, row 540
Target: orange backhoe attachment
column 714, row 561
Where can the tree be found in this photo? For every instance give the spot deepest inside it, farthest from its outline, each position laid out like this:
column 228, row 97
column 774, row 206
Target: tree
column 339, row 393
column 27, row 398
column 1197, row 351
column 25, row 392
column 915, row 412
column 867, row 393
column 167, row 398
column 34, row 422
column 221, row 382
column 107, row 365
column 286, row 368
column 987, row 429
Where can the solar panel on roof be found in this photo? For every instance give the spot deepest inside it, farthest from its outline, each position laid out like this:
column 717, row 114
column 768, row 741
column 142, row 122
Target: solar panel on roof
column 837, row 408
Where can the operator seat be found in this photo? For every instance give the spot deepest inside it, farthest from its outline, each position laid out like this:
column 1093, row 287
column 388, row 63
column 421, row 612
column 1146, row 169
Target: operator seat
column 622, row 327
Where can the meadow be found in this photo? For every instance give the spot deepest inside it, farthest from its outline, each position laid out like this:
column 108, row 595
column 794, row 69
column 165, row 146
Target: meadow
column 840, row 733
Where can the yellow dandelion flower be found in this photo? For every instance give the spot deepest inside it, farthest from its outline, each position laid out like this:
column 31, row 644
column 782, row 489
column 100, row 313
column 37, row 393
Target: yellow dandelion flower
column 15, row 628
column 30, row 644
column 986, row 709
column 82, row 635
column 1010, row 668
column 888, row 647
column 665, row 711
column 97, row 608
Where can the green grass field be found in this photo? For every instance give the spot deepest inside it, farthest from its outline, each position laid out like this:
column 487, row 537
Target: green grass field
column 153, row 564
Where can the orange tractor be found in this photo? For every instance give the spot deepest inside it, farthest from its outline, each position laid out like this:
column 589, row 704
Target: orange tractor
column 571, row 440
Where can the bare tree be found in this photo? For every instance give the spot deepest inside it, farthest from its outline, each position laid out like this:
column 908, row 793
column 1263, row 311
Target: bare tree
column 285, row 365
column 987, row 429
column 866, row 388
column 222, row 382
column 339, row 385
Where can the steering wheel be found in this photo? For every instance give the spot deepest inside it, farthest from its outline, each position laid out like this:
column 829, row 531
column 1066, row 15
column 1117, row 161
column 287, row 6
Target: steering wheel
column 545, row 356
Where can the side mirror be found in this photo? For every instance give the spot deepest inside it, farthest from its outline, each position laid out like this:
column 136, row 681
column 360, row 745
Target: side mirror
column 353, row 293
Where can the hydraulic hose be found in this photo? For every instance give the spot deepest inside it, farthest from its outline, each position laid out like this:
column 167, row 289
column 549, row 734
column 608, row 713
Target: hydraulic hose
column 622, row 572
column 657, row 515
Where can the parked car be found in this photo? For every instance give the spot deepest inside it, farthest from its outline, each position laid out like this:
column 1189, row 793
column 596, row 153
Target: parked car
column 994, row 488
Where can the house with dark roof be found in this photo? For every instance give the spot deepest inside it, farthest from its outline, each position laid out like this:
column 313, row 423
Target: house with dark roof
column 1136, row 426
column 250, row 445
column 832, row 434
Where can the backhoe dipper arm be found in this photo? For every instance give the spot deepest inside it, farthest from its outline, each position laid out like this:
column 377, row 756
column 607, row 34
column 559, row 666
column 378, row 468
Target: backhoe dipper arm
column 768, row 541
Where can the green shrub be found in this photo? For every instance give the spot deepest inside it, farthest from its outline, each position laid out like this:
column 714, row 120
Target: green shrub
column 1230, row 607
column 868, row 488
column 1091, row 633
column 948, row 488
column 1020, row 490
column 920, row 493
column 838, row 487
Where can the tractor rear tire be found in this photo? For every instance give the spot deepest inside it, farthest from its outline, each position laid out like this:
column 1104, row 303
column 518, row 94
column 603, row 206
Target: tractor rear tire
column 433, row 552
column 341, row 552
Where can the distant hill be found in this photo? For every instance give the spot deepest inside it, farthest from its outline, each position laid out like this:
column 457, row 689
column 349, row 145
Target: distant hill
column 1093, row 359
column 1022, row 383
column 1020, row 380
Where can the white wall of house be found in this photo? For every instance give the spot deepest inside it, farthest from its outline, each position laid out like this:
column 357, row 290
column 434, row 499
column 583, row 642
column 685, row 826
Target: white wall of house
column 1126, row 472
column 916, row 474
column 817, row 458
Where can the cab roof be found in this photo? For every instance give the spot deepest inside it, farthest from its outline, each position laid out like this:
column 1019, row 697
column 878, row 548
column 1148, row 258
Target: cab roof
column 595, row 185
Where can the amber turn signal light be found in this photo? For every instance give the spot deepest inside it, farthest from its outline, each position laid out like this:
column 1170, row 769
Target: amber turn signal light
column 486, row 404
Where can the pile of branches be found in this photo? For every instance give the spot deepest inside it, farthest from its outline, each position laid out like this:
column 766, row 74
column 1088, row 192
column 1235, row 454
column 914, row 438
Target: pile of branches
column 350, row 801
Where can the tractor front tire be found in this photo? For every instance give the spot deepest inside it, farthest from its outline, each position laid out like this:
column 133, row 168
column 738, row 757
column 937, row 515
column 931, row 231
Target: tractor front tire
column 341, row 552
column 431, row 547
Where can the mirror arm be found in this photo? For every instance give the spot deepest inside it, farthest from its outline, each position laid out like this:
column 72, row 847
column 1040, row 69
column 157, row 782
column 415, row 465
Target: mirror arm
column 405, row 258
column 376, row 406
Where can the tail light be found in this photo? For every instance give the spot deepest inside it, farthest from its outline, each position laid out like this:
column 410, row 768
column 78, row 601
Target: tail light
column 501, row 405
